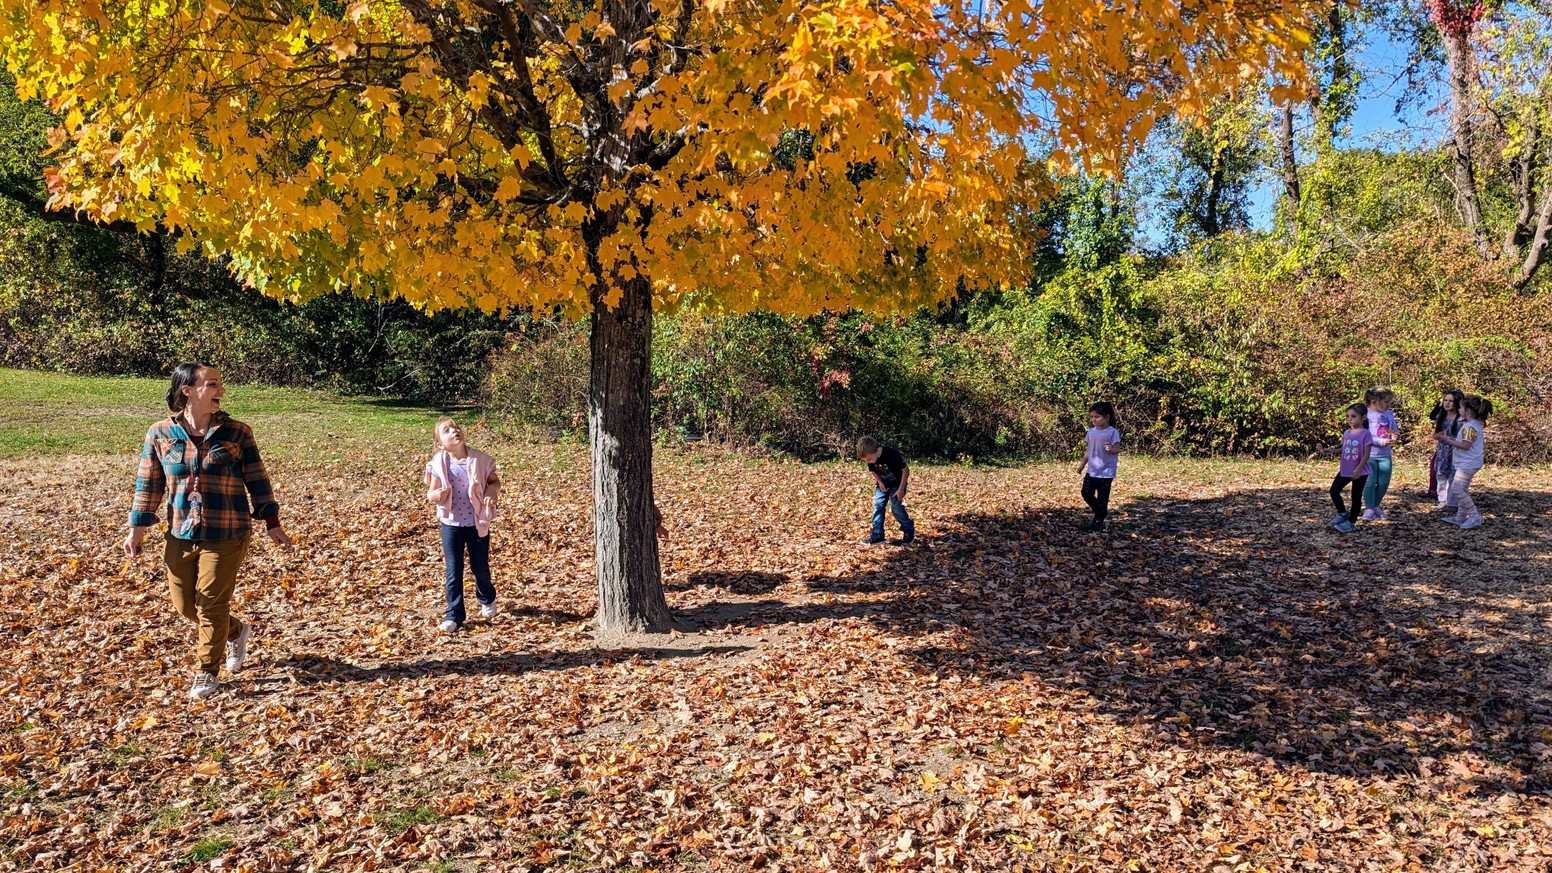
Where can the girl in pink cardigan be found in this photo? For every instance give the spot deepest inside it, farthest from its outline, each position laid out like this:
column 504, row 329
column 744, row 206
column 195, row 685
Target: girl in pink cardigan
column 462, row 483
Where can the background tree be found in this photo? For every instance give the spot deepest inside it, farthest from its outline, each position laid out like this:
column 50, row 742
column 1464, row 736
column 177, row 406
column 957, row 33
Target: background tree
column 1215, row 165
column 614, row 158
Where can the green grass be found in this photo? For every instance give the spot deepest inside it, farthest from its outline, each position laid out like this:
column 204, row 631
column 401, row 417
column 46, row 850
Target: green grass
column 207, row 849
column 365, row 766
column 42, row 413
column 167, row 819
column 19, row 791
column 397, row 821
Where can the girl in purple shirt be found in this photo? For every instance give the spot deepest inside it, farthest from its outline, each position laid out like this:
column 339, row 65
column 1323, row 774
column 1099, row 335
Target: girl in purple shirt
column 1354, row 468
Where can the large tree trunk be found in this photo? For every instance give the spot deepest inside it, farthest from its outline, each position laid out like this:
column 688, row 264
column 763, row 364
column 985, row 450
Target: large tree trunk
column 1457, row 48
column 630, row 588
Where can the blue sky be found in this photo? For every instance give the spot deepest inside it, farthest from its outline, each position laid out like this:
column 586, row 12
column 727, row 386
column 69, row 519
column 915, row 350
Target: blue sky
column 1377, row 122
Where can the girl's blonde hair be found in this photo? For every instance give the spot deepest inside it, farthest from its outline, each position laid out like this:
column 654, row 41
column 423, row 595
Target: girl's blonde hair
column 436, row 433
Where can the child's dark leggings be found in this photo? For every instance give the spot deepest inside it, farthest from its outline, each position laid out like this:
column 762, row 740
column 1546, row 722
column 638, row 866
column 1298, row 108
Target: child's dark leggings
column 1337, row 485
column 1096, row 493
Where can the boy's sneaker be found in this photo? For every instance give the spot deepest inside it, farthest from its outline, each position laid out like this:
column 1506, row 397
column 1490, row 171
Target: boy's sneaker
column 448, row 626
column 237, row 649
column 487, row 610
column 1452, row 519
column 1370, row 514
column 1094, row 526
column 907, row 539
column 204, row 685
column 1473, row 521
column 1337, row 522
column 872, row 542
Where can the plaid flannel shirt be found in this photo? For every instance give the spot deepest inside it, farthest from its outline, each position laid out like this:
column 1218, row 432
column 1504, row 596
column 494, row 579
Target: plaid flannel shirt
column 230, row 470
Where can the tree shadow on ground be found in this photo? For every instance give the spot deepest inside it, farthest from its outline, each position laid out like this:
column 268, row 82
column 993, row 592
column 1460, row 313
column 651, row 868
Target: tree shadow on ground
column 314, row 669
column 746, row 582
column 1241, row 622
column 549, row 616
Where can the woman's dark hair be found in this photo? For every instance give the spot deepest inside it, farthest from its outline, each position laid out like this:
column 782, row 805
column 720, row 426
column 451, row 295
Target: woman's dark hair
column 1439, row 415
column 1105, row 409
column 1480, row 407
column 183, row 376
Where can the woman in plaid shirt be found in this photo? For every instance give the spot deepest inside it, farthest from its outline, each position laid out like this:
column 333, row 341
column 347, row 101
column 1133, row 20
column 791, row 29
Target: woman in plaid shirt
column 207, row 465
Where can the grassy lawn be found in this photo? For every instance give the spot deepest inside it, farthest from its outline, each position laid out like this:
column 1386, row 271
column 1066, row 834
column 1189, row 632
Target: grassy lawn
column 59, row 413
column 1218, row 683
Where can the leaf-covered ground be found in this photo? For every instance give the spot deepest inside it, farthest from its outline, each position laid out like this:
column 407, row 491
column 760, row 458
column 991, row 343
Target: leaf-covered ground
column 1218, row 683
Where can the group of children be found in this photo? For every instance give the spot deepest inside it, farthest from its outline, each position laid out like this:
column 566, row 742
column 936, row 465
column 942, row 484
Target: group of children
column 1460, row 423
column 463, row 484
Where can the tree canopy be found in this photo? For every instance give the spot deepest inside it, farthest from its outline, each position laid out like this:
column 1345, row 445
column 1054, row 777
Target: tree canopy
column 783, row 155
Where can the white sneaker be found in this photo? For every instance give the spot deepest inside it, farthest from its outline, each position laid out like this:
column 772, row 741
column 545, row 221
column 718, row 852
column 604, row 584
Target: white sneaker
column 448, row 626
column 487, row 610
column 204, row 686
column 1473, row 521
column 237, row 649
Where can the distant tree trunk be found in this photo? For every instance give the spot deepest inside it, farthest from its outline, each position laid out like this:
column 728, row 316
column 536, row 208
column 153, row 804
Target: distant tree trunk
column 1526, row 239
column 1289, row 162
column 1455, row 23
column 1332, row 107
column 1212, row 225
column 1522, row 176
column 1540, row 243
column 630, row 588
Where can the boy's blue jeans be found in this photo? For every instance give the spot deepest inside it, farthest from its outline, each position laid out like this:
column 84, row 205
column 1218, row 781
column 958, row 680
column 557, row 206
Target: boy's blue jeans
column 454, row 541
column 888, row 498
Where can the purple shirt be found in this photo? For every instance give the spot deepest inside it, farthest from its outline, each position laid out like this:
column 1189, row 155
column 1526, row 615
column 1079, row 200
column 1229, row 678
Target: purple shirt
column 1381, row 424
column 1355, row 453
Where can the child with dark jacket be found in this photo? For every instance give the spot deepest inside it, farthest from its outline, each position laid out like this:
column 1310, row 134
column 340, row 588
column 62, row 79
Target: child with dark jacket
column 891, row 476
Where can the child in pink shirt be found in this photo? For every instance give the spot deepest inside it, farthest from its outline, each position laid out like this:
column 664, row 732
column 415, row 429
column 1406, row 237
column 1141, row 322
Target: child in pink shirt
column 462, row 482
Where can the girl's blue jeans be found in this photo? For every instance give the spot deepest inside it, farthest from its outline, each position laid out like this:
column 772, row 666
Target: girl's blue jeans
column 455, row 541
column 1379, row 482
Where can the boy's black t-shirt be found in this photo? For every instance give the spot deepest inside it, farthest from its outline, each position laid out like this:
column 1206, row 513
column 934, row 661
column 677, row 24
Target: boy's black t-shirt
column 889, row 465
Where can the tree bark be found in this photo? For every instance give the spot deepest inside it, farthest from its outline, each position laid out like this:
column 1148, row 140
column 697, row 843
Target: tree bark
column 1290, row 162
column 1211, row 224
column 1540, row 242
column 630, row 587
column 1457, row 49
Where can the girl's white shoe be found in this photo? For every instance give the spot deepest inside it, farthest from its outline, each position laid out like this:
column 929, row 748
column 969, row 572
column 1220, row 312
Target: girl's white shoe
column 448, row 626
column 487, row 610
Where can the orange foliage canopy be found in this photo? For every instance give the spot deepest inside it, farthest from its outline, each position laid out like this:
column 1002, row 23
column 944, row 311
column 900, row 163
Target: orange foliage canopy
column 783, row 154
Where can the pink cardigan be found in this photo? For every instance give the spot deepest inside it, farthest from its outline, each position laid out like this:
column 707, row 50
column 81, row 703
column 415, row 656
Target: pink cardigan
column 481, row 469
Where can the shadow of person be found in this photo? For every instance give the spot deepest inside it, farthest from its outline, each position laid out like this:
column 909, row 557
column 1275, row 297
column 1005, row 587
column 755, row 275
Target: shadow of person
column 1240, row 621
